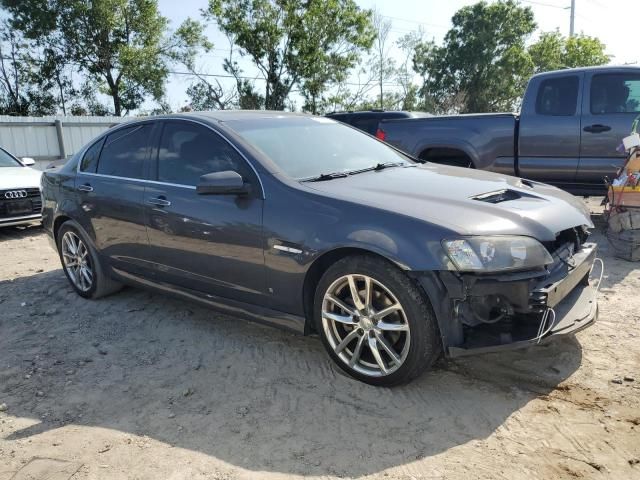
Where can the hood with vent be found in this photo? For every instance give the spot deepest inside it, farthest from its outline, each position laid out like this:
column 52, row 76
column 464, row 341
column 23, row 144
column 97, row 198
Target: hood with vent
column 467, row 201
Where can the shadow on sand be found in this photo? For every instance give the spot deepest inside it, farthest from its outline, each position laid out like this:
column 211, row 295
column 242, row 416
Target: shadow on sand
column 252, row 396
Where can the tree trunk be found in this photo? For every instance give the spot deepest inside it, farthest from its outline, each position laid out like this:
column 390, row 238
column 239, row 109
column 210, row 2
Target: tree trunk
column 381, row 87
column 117, row 108
column 115, row 94
column 62, row 97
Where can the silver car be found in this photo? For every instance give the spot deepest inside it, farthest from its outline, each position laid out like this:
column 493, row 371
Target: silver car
column 20, row 198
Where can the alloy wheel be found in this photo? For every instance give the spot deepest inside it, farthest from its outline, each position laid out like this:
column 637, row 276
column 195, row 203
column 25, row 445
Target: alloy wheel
column 77, row 261
column 365, row 325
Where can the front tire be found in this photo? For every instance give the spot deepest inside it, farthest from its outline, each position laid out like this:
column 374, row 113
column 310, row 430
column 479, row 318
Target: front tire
column 81, row 264
column 374, row 322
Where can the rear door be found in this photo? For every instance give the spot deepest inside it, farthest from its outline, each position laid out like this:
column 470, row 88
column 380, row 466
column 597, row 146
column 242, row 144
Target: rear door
column 549, row 132
column 110, row 184
column 209, row 243
column 611, row 103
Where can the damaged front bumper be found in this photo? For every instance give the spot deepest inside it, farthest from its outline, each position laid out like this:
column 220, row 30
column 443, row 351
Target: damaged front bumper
column 489, row 313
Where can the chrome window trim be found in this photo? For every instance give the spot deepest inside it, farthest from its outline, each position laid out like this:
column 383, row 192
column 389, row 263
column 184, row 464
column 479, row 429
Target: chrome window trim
column 139, row 180
column 168, row 119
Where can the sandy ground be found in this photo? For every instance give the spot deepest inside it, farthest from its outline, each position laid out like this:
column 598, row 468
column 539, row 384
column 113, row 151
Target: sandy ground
column 142, row 386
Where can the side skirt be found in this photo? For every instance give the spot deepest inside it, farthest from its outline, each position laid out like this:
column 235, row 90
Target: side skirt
column 254, row 313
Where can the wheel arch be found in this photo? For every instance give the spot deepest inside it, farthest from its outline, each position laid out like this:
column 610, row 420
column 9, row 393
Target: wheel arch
column 453, row 152
column 320, row 265
column 64, row 218
column 57, row 223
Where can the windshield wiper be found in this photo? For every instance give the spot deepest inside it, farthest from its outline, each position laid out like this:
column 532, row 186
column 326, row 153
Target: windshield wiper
column 330, row 176
column 378, row 167
column 325, row 176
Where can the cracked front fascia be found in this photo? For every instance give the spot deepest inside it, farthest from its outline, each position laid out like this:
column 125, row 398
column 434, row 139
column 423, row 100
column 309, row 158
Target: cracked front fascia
column 446, row 289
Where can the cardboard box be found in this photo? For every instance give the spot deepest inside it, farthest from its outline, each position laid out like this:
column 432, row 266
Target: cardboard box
column 626, row 196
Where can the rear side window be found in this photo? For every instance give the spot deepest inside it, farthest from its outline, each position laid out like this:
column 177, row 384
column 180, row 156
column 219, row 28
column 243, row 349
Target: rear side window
column 558, row 96
column 125, row 151
column 89, row 161
column 188, row 151
column 615, row 93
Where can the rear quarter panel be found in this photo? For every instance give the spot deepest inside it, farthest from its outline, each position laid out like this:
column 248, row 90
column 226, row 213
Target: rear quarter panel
column 59, row 195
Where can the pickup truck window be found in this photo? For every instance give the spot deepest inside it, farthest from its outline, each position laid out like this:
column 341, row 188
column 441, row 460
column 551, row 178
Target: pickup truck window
column 558, row 96
column 615, row 93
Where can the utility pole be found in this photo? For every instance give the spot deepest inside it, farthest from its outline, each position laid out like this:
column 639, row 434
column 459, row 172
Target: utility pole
column 573, row 18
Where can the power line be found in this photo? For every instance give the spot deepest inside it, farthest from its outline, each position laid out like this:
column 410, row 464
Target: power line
column 598, row 4
column 437, row 25
column 241, row 77
column 543, row 4
column 216, row 75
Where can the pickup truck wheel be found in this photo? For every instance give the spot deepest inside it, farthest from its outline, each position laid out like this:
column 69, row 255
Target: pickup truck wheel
column 374, row 322
column 81, row 264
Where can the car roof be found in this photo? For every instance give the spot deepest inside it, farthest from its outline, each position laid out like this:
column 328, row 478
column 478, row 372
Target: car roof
column 215, row 116
column 229, row 115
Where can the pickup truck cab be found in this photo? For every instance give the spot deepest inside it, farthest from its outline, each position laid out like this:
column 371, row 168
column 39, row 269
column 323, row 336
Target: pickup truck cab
column 566, row 134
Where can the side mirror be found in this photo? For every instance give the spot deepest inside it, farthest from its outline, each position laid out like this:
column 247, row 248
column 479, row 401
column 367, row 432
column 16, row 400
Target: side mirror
column 28, row 161
column 222, row 183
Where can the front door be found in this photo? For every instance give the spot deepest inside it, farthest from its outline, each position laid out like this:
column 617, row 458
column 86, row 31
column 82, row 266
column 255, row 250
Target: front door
column 209, row 243
column 611, row 104
column 549, row 137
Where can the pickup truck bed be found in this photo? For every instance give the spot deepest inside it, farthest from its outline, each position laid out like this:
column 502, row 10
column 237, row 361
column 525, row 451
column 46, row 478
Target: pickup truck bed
column 482, row 140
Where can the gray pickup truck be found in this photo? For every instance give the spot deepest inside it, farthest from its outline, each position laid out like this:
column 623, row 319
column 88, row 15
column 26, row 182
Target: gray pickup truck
column 566, row 134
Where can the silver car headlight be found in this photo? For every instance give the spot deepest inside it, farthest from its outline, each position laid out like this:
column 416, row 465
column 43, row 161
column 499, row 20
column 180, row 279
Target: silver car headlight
column 496, row 253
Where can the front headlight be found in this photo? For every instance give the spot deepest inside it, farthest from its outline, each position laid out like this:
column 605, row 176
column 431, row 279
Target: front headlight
column 496, row 254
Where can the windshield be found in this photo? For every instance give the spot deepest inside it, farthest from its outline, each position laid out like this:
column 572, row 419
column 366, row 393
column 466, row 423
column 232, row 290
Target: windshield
column 306, row 147
column 7, row 160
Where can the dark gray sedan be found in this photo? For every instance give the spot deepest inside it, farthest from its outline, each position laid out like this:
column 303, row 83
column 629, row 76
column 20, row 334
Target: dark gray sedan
column 314, row 226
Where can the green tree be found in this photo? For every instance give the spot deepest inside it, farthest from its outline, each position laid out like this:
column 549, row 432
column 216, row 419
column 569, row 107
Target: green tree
column 553, row 51
column 23, row 91
column 405, row 72
column 120, row 45
column 207, row 92
column 482, row 65
column 381, row 63
column 304, row 43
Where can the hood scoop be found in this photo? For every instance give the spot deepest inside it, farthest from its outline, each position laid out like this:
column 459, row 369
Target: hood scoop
column 500, row 196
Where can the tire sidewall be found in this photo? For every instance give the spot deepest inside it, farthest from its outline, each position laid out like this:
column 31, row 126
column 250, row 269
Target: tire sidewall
column 71, row 226
column 424, row 346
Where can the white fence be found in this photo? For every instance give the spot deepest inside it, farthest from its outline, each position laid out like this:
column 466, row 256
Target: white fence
column 51, row 138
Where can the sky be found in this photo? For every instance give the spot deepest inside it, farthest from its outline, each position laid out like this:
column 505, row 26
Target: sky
column 612, row 21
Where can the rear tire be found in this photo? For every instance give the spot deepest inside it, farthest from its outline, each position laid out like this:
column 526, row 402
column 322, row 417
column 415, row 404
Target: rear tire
column 81, row 264
column 363, row 304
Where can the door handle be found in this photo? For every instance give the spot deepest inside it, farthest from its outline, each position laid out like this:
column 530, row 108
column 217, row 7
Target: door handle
column 159, row 201
column 597, row 128
column 85, row 188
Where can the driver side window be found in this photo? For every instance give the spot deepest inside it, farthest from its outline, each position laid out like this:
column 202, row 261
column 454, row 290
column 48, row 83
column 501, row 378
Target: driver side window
column 188, row 151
